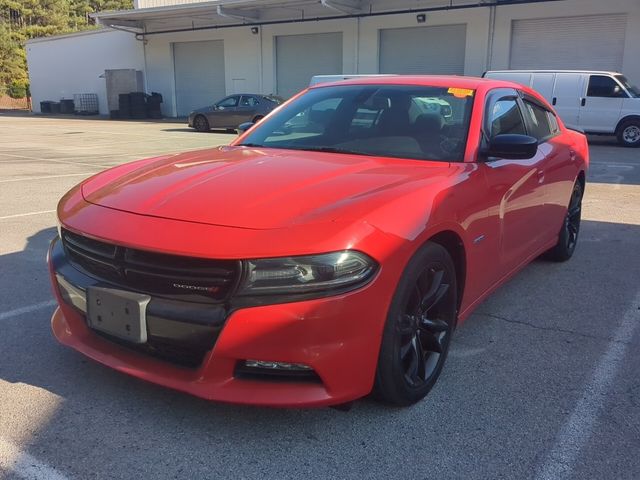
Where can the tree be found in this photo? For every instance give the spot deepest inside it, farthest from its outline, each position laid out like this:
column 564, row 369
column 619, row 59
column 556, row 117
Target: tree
column 21, row 20
column 12, row 59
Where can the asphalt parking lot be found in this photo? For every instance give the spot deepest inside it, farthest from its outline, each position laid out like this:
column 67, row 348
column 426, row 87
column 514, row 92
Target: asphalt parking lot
column 541, row 382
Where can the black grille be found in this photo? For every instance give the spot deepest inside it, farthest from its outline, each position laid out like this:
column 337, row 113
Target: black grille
column 169, row 351
column 168, row 276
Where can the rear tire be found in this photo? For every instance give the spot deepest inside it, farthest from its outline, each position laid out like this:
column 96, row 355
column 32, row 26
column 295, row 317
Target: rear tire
column 418, row 329
column 568, row 238
column 629, row 133
column 200, row 123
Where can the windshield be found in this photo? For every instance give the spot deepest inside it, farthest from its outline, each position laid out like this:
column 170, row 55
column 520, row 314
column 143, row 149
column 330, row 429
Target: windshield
column 417, row 122
column 632, row 89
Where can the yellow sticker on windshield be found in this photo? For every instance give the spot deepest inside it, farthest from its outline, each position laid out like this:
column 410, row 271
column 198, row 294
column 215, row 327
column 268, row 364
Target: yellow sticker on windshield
column 461, row 92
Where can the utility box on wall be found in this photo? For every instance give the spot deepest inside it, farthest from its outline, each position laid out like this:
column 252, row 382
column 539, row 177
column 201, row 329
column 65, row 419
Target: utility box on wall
column 123, row 80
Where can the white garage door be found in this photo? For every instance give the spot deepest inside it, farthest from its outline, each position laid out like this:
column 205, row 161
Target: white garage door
column 423, row 50
column 573, row 43
column 300, row 57
column 199, row 74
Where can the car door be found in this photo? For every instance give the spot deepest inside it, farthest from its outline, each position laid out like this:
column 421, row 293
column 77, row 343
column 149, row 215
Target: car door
column 224, row 113
column 515, row 186
column 247, row 109
column 567, row 94
column 602, row 105
column 558, row 166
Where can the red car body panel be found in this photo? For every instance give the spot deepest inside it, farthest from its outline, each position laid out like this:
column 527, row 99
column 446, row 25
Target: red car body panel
column 240, row 203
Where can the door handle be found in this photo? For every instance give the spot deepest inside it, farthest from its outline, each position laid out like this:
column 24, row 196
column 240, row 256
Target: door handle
column 583, row 102
column 540, row 176
column 572, row 155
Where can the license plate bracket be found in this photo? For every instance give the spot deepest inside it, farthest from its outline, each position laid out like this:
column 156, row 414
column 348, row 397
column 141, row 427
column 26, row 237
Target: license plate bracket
column 118, row 313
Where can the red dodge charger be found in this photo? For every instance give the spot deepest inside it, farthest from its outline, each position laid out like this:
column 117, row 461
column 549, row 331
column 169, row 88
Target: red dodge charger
column 330, row 251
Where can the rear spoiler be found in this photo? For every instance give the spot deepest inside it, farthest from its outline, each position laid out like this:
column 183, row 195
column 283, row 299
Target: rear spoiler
column 576, row 129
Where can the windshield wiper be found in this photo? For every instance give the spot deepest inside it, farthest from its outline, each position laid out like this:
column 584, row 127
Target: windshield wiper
column 249, row 145
column 330, row 150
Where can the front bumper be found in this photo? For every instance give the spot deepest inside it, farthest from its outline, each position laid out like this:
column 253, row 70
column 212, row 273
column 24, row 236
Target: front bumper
column 339, row 337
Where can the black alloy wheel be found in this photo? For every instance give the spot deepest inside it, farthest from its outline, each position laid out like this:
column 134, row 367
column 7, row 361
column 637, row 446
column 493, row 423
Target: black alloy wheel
column 568, row 238
column 419, row 326
column 200, row 123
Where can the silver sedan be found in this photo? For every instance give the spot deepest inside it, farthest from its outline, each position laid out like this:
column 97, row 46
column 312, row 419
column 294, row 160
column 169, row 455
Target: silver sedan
column 233, row 110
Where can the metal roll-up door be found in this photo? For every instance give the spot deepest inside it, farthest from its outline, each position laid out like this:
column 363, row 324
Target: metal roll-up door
column 300, row 57
column 199, row 74
column 569, row 43
column 423, row 50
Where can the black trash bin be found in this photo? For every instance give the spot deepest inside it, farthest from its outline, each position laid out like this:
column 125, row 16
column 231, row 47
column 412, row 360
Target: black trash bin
column 66, row 106
column 45, row 106
column 124, row 105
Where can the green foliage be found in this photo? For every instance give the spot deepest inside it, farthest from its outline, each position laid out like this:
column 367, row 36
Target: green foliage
column 21, row 20
column 18, row 89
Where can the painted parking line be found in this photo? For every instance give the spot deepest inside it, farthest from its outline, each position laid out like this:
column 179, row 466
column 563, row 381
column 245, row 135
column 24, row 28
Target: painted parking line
column 20, row 464
column 579, row 428
column 45, row 177
column 94, row 165
column 28, row 309
column 18, row 215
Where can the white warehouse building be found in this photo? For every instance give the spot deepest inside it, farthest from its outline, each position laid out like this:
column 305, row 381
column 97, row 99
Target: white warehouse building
column 194, row 53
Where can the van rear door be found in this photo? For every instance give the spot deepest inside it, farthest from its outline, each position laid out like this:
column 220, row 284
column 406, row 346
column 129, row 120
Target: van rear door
column 601, row 104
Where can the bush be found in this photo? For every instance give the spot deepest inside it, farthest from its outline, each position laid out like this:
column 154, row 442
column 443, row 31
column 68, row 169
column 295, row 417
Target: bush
column 18, row 89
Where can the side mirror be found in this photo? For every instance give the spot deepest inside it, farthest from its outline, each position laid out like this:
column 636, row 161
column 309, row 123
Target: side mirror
column 511, row 147
column 243, row 127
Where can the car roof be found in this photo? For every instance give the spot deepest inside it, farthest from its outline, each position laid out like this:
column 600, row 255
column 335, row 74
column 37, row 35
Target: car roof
column 451, row 81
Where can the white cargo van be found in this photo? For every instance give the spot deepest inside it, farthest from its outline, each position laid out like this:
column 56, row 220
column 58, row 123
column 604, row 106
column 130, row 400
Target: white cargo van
column 595, row 102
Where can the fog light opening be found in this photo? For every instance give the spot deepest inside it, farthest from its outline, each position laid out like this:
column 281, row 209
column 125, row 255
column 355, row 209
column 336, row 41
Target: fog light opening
column 275, row 371
column 277, row 365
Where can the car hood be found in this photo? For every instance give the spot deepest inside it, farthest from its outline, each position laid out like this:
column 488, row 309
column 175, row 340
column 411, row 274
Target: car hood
column 259, row 188
column 201, row 110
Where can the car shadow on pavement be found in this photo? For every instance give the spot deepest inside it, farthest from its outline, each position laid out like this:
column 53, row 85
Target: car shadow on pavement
column 516, row 367
column 187, row 129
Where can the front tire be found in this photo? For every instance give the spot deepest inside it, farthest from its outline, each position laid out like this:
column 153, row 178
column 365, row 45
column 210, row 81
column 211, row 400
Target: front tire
column 568, row 238
column 418, row 329
column 629, row 133
column 200, row 123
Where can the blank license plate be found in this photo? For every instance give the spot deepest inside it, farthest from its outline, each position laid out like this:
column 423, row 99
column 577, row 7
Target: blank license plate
column 118, row 313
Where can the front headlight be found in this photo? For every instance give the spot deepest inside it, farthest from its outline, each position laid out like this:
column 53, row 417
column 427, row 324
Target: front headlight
column 329, row 272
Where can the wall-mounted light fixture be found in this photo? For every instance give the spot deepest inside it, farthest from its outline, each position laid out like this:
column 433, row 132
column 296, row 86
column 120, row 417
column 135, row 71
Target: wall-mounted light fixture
column 255, row 30
column 421, row 17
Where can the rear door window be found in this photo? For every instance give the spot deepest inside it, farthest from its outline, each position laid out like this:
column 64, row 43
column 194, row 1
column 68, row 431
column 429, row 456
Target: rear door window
column 248, row 101
column 539, row 121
